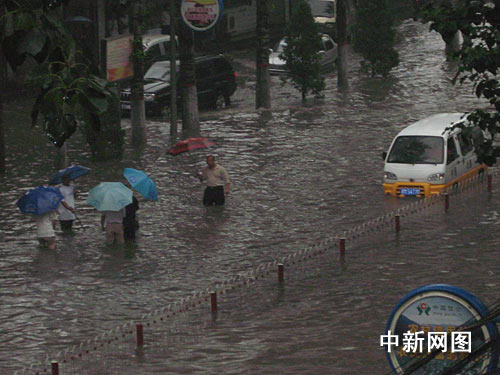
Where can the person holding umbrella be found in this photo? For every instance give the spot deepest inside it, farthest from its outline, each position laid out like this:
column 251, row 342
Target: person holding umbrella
column 45, row 225
column 67, row 208
column 142, row 183
column 111, row 198
column 42, row 203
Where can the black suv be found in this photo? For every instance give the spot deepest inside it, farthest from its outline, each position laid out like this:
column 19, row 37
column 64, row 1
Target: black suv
column 215, row 83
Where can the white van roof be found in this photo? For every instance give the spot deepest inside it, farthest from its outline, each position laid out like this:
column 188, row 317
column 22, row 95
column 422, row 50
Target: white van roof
column 434, row 125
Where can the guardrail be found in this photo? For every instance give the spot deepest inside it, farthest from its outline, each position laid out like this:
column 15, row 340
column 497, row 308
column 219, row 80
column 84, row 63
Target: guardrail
column 73, row 360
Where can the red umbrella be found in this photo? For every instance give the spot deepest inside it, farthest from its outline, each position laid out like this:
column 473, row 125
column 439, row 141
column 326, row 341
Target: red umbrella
column 190, row 144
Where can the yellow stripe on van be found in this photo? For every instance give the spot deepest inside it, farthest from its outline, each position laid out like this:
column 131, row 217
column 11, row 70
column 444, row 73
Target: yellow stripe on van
column 427, row 189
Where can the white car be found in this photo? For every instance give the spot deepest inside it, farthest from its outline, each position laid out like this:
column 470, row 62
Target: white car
column 328, row 51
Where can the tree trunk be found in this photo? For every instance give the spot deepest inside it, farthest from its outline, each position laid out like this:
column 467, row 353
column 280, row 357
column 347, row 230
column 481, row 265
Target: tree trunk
column 453, row 45
column 61, row 161
column 2, row 139
column 137, row 110
column 173, row 70
column 263, row 88
column 342, row 66
column 3, row 82
column 190, row 117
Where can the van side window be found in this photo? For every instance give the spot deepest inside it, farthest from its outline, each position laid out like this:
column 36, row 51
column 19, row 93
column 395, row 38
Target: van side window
column 465, row 144
column 451, row 152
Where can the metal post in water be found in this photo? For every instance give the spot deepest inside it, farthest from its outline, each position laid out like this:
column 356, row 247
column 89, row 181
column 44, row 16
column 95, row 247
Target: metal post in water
column 213, row 302
column 140, row 335
column 397, row 224
column 490, row 183
column 55, row 368
column 280, row 273
column 446, row 201
column 342, row 247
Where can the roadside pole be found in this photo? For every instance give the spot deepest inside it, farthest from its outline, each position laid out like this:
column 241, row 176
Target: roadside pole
column 173, row 71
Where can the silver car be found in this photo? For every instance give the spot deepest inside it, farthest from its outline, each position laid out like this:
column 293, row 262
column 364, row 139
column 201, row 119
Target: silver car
column 328, row 51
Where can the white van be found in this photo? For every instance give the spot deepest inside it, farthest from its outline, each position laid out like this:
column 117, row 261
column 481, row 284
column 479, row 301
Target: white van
column 427, row 157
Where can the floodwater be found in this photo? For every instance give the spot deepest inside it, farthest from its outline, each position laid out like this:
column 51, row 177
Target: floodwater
column 307, row 173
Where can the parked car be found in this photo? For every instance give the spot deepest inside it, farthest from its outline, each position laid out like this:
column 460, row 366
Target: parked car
column 156, row 48
column 215, row 83
column 328, row 51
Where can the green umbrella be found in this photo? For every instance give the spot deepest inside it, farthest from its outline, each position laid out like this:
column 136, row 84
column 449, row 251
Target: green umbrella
column 110, row 196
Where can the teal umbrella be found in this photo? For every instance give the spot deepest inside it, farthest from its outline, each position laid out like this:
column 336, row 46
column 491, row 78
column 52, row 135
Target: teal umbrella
column 141, row 182
column 110, row 196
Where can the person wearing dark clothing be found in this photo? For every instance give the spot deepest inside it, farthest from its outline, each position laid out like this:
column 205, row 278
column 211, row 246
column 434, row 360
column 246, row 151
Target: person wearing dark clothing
column 130, row 223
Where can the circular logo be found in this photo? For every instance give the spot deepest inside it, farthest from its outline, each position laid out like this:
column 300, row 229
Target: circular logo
column 439, row 310
column 201, row 15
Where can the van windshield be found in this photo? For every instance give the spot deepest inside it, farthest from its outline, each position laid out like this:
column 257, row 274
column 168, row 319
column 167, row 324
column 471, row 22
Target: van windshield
column 417, row 150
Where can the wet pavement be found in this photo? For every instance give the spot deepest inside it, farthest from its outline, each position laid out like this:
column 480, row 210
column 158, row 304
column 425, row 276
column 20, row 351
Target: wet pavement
column 304, row 173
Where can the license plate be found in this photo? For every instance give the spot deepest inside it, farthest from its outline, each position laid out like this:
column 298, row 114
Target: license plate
column 125, row 106
column 410, row 191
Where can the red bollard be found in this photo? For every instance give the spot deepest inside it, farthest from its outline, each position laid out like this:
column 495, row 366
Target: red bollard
column 213, row 302
column 490, row 183
column 446, row 201
column 397, row 224
column 140, row 335
column 280, row 273
column 342, row 247
column 55, row 368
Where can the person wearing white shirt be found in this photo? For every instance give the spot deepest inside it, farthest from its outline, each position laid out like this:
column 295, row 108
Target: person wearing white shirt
column 66, row 209
column 45, row 225
column 112, row 223
column 217, row 181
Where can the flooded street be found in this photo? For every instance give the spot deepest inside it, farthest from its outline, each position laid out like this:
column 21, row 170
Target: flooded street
column 305, row 174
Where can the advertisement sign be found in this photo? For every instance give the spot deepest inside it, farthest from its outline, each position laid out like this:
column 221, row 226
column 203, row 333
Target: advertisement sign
column 201, row 15
column 432, row 319
column 116, row 52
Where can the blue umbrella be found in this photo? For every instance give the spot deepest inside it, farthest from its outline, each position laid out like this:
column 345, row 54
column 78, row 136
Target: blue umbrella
column 141, row 182
column 74, row 171
column 110, row 196
column 40, row 200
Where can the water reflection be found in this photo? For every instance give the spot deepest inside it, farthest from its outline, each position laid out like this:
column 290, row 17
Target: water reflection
column 299, row 174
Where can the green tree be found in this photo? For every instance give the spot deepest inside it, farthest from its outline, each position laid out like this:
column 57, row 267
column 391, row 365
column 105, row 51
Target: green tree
column 478, row 58
column 302, row 51
column 374, row 36
column 70, row 93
